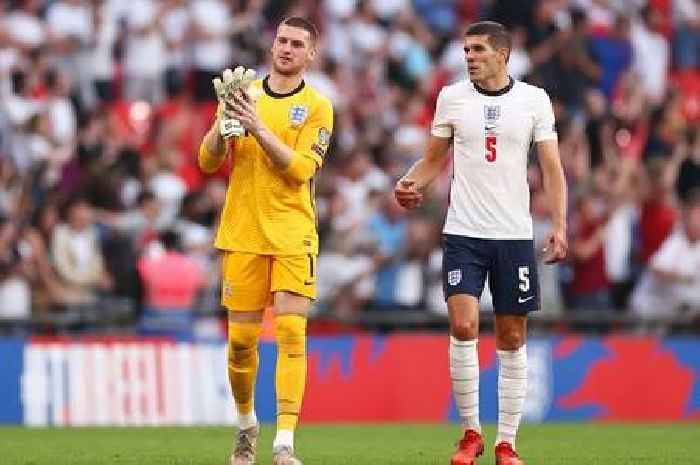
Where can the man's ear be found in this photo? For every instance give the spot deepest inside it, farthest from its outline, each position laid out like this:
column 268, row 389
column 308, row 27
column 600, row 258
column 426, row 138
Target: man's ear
column 505, row 53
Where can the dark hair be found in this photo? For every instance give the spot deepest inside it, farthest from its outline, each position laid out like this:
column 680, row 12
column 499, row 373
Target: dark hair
column 19, row 81
column 170, row 240
column 51, row 79
column 145, row 196
column 302, row 23
column 498, row 35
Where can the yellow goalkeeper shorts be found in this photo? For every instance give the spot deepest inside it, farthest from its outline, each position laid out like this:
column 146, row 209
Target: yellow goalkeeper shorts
column 249, row 280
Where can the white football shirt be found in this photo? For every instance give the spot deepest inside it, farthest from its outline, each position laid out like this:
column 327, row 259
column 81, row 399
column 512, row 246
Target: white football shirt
column 492, row 133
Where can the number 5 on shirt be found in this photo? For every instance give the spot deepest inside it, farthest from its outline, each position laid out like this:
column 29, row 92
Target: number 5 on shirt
column 491, row 148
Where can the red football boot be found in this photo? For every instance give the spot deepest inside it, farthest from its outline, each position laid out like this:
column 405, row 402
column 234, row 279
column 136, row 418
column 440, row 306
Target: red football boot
column 468, row 449
column 505, row 455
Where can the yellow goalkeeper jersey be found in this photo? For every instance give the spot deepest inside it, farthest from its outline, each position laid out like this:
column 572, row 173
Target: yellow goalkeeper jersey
column 267, row 212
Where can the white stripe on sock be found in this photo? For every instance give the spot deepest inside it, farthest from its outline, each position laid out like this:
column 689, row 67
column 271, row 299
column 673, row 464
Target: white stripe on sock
column 512, row 387
column 464, row 372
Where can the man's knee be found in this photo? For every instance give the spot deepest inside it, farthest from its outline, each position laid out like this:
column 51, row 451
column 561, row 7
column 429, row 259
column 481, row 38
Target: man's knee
column 243, row 338
column 290, row 330
column 510, row 339
column 464, row 330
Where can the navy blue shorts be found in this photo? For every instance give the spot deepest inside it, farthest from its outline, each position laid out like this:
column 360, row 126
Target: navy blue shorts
column 509, row 264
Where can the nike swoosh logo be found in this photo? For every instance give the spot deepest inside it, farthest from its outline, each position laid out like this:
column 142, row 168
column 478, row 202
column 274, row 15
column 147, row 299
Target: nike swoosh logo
column 522, row 301
column 308, row 283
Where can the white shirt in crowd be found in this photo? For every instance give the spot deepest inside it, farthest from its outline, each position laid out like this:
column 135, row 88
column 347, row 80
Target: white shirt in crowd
column 492, row 134
column 145, row 52
column 25, row 28
column 70, row 20
column 176, row 23
column 213, row 16
column 654, row 296
column 651, row 60
column 685, row 10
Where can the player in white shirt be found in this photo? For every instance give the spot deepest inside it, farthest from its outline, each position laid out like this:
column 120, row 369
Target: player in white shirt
column 491, row 121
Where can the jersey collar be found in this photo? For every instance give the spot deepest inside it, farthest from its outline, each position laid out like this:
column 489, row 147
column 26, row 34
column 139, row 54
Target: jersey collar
column 496, row 93
column 273, row 94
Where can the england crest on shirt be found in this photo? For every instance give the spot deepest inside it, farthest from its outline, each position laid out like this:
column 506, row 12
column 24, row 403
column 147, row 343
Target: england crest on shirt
column 298, row 114
column 454, row 277
column 492, row 112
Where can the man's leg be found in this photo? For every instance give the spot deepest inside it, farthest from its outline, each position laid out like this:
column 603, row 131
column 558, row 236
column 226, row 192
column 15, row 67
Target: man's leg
column 465, row 262
column 463, row 310
column 511, row 333
column 245, row 292
column 290, row 376
column 515, row 288
column 244, row 329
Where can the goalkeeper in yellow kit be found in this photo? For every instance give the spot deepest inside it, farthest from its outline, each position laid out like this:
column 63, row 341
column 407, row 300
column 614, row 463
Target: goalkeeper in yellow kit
column 276, row 131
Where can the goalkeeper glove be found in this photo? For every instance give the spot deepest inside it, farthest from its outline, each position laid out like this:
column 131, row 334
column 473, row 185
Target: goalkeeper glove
column 237, row 80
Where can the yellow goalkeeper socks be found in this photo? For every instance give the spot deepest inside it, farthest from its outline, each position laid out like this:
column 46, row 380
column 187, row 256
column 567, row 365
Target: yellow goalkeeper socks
column 290, row 331
column 243, row 367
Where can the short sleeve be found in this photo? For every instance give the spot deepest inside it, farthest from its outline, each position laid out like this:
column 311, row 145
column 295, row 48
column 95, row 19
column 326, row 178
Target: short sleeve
column 441, row 126
column 544, row 119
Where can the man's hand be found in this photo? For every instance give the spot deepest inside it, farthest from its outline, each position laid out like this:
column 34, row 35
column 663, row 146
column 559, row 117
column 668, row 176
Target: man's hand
column 243, row 110
column 230, row 83
column 407, row 194
column 556, row 246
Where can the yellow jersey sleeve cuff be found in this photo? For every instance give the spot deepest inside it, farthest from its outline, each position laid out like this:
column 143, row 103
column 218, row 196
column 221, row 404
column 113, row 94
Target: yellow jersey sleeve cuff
column 301, row 168
column 208, row 162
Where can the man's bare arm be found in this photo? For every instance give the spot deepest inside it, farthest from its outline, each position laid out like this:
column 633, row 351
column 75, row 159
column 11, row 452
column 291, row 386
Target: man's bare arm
column 408, row 190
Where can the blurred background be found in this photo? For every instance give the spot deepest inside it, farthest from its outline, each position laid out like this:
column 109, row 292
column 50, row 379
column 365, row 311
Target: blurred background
column 106, row 223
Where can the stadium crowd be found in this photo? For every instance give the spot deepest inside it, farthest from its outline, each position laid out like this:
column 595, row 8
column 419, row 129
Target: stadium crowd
column 103, row 104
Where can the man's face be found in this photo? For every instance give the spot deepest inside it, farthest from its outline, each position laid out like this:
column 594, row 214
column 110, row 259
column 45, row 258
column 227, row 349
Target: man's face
column 483, row 61
column 292, row 50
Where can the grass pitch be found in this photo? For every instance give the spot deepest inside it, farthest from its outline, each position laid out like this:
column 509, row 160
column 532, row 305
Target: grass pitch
column 409, row 444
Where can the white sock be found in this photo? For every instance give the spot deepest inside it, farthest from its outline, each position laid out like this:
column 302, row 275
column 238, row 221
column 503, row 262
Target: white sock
column 464, row 372
column 512, row 387
column 284, row 437
column 247, row 421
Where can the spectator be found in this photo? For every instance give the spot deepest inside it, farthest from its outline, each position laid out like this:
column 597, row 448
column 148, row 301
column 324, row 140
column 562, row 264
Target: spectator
column 15, row 296
column 388, row 228
column 70, row 34
column 686, row 15
column 144, row 58
column 171, row 281
column 211, row 50
column 689, row 172
column 672, row 281
column 76, row 254
column 652, row 55
column 613, row 51
column 658, row 210
column 590, row 286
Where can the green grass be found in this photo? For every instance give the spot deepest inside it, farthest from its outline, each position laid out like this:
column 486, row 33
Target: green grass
column 410, row 444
